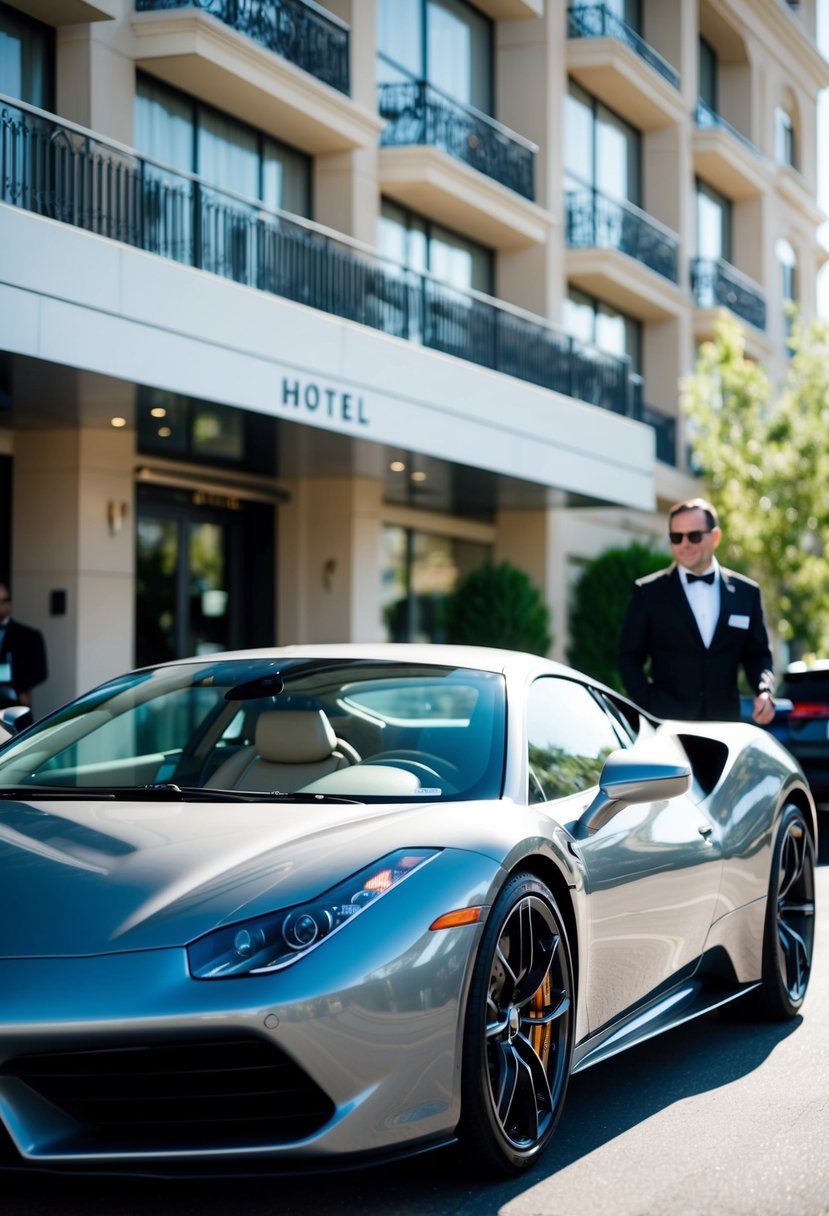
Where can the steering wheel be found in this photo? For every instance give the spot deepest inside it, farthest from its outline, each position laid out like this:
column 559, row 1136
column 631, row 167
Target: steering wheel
column 444, row 772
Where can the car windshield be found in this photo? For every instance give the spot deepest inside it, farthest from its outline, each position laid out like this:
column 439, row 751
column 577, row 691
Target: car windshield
column 354, row 729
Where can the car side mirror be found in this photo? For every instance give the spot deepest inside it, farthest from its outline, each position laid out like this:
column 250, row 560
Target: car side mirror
column 14, row 719
column 628, row 778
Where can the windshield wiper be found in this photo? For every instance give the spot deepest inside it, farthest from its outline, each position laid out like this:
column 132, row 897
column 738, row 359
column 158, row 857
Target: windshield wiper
column 198, row 793
column 24, row 793
column 165, row 791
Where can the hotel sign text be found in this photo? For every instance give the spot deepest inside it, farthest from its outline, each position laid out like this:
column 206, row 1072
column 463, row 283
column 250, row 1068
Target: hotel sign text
column 322, row 401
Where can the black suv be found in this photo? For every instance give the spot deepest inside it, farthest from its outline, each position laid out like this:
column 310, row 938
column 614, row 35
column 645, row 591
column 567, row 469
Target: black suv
column 804, row 729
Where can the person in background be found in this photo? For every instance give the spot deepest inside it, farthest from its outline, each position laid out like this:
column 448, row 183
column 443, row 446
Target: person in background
column 22, row 656
column 691, row 627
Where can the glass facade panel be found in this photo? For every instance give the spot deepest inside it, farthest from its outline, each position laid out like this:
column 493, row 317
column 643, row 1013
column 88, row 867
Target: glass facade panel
column 227, row 154
column 179, row 131
column 27, row 59
column 444, row 42
column 713, row 224
column 459, row 52
column 400, row 26
column 419, row 570
column 164, row 125
column 708, row 74
column 602, row 151
column 286, row 179
column 578, row 115
column 593, row 321
column 423, row 246
column 784, row 138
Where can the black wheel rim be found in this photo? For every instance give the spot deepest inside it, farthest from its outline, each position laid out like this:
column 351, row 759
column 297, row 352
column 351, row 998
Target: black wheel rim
column 529, row 1014
column 796, row 909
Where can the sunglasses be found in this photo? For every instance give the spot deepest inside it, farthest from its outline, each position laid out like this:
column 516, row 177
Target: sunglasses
column 676, row 538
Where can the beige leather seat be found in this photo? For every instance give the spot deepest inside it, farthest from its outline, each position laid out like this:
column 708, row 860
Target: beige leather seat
column 291, row 748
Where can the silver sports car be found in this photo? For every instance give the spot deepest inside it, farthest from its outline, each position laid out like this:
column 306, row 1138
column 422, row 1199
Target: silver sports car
column 331, row 903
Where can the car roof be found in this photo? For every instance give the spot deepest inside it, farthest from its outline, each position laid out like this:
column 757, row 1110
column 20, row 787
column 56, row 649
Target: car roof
column 486, row 658
column 801, row 667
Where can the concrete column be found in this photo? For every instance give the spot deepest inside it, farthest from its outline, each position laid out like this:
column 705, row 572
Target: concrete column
column 329, row 561
column 531, row 82
column 345, row 183
column 96, row 76
column 73, row 533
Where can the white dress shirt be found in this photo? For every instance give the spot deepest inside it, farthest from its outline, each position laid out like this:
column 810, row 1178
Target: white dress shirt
column 704, row 600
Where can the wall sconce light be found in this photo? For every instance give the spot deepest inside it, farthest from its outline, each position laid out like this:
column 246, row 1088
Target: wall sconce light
column 329, row 569
column 116, row 514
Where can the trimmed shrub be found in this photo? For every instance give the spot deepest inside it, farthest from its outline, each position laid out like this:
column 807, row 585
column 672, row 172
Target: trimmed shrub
column 498, row 606
column 600, row 600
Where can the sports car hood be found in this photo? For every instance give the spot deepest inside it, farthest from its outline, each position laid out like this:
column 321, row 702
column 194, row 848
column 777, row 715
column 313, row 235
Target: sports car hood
column 82, row 878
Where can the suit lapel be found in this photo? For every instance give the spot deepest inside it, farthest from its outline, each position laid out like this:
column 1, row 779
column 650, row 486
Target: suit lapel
column 728, row 599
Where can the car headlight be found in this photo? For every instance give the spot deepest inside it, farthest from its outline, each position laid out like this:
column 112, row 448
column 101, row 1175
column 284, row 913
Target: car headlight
column 266, row 943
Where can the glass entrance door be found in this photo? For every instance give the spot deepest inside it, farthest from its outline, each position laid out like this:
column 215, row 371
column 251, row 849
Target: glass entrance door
column 191, row 595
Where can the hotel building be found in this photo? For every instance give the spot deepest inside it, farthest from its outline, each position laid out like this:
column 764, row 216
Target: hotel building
column 306, row 311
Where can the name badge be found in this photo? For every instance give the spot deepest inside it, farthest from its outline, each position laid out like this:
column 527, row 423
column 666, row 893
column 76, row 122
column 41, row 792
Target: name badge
column 5, row 673
column 737, row 621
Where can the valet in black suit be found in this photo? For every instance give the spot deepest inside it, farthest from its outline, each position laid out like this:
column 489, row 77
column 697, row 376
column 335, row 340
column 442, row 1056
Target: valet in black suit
column 690, row 628
column 22, row 656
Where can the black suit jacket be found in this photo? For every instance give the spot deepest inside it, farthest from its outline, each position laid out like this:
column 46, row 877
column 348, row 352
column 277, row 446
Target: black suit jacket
column 24, row 648
column 687, row 679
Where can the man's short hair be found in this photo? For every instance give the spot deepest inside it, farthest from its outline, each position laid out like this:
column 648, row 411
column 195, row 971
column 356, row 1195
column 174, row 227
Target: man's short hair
column 693, row 504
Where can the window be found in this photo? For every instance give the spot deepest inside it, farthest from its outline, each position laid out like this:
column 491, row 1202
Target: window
column 185, row 134
column 27, row 59
column 185, row 428
column 415, row 242
column 447, row 43
column 569, row 737
column 600, row 325
column 708, row 75
column 787, row 259
column 602, row 151
column 419, row 570
column 785, row 147
column 713, row 224
column 629, row 11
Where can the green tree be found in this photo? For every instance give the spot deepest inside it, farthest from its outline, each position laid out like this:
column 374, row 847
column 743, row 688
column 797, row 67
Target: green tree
column 498, row 606
column 764, row 455
column 600, row 598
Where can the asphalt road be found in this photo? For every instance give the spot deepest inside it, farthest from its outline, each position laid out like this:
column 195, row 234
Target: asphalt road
column 714, row 1119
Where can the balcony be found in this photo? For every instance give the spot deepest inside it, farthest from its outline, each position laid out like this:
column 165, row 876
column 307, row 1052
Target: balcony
column 298, row 31
column 716, row 284
column 725, row 158
column 281, row 65
column 61, row 171
column 418, row 113
column 614, row 63
column 459, row 166
column 623, row 255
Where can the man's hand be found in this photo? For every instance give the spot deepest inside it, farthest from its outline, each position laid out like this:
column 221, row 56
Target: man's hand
column 763, row 711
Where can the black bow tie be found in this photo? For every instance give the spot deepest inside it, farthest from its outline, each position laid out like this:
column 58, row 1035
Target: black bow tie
column 701, row 578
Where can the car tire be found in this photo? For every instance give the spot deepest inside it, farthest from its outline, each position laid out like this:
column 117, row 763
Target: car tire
column 518, row 1035
column 788, row 937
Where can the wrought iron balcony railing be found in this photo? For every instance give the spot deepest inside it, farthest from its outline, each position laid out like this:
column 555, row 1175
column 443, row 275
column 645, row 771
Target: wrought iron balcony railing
column 598, row 21
column 663, row 425
column 716, row 284
column 297, row 30
column 707, row 120
column 595, row 221
column 62, row 171
column 418, row 113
